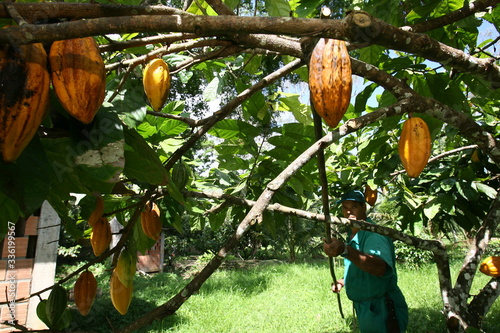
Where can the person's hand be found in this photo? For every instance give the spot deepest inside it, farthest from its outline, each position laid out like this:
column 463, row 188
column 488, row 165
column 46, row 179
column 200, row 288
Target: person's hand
column 337, row 286
column 333, row 248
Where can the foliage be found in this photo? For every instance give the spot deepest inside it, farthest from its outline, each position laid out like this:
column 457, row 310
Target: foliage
column 412, row 257
column 236, row 143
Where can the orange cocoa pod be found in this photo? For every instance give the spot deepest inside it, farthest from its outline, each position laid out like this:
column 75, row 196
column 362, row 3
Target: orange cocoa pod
column 24, row 96
column 414, row 146
column 150, row 221
column 121, row 296
column 330, row 80
column 78, row 76
column 491, row 266
column 370, row 195
column 98, row 211
column 85, row 291
column 100, row 238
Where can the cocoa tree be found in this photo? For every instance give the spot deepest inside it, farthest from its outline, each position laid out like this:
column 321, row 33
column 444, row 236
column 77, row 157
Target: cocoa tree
column 251, row 150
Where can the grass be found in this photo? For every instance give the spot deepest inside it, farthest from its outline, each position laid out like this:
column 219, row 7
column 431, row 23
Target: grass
column 269, row 298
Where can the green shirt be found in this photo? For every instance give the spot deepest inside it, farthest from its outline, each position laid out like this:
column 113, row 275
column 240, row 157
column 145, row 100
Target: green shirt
column 368, row 291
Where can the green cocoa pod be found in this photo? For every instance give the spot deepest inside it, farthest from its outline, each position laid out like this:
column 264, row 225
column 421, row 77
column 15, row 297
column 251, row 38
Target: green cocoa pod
column 181, row 175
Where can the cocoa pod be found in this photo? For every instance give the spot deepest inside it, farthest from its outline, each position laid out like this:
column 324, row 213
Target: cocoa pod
column 150, row 221
column 98, row 211
column 121, row 296
column 85, row 290
column 491, row 266
column 180, row 175
column 330, row 80
column 24, row 96
column 100, row 236
column 370, row 195
column 78, row 76
column 414, row 146
column 126, row 267
column 156, row 82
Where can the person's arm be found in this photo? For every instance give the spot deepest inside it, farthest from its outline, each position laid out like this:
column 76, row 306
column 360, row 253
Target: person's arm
column 367, row 262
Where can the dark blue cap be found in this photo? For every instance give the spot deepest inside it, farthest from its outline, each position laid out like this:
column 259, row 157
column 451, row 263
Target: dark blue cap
column 353, row 195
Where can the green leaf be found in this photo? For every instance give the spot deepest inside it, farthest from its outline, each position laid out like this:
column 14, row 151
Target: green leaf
column 291, row 102
column 371, row 54
column 256, row 107
column 278, row 7
column 419, row 13
column 432, row 207
column 231, row 128
column 9, row 212
column 201, row 7
column 446, row 6
column 141, row 161
column 42, row 313
column 489, row 191
column 130, row 103
column 173, row 127
column 212, row 90
column 26, row 182
column 306, row 8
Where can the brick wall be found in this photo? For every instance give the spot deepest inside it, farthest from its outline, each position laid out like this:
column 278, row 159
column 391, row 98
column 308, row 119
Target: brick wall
column 16, row 271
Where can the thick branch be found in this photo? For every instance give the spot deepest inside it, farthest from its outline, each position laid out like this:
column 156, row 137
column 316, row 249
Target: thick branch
column 357, row 27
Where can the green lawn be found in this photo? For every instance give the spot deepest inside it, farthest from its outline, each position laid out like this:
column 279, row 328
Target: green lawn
column 269, row 298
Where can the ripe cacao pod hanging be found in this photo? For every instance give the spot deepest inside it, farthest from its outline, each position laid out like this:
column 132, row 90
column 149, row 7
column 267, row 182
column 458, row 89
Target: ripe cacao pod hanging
column 96, row 214
column 78, row 76
column 100, row 236
column 330, row 80
column 414, row 146
column 156, row 82
column 126, row 267
column 491, row 266
column 370, row 195
column 84, row 291
column 121, row 296
column 150, row 221
column 24, row 96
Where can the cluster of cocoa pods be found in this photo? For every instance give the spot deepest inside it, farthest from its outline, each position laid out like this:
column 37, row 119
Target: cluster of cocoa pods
column 121, row 283
column 78, row 78
column 330, row 84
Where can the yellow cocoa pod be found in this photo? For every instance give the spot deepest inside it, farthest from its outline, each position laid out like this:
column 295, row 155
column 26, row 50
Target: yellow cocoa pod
column 78, row 76
column 126, row 267
column 475, row 156
column 414, row 146
column 97, row 212
column 156, row 82
column 100, row 236
column 85, row 290
column 150, row 221
column 370, row 195
column 24, row 96
column 330, row 80
column 491, row 266
column 121, row 296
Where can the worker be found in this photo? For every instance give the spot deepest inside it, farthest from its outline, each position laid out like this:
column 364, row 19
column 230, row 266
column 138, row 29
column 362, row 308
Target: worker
column 370, row 277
